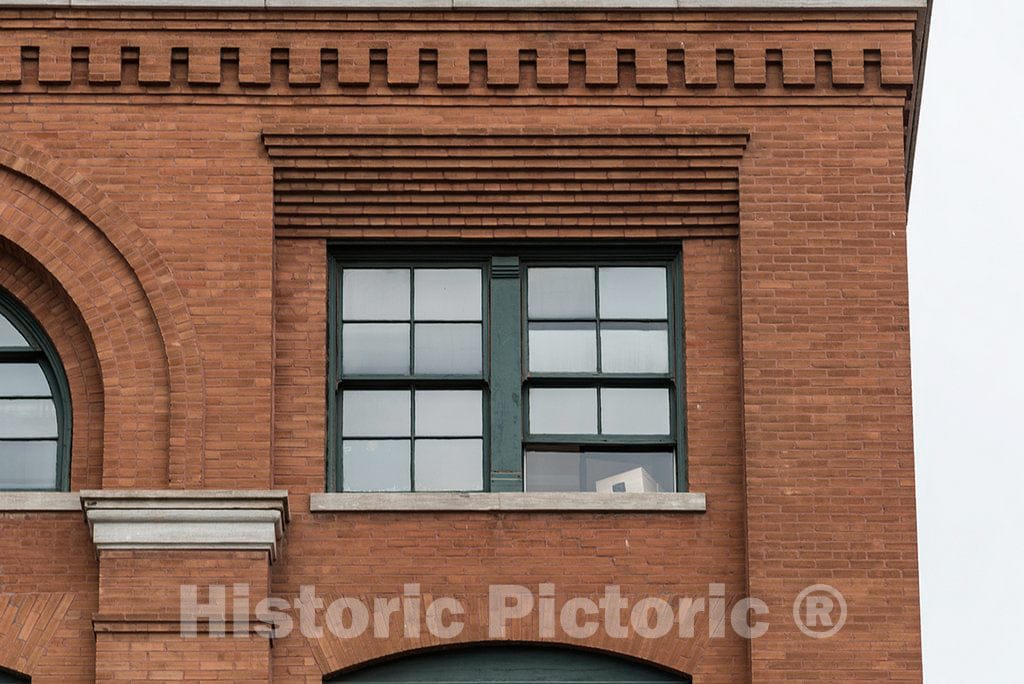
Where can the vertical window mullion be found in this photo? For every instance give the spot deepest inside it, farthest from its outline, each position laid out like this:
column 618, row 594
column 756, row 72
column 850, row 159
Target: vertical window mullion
column 506, row 447
column 597, row 342
column 334, row 471
column 412, row 374
column 677, row 350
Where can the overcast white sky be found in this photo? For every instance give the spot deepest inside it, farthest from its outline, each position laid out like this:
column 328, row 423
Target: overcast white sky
column 967, row 334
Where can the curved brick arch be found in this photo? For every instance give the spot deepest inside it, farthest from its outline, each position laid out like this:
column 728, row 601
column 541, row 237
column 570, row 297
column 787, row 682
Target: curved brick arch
column 334, row 654
column 41, row 615
column 128, row 297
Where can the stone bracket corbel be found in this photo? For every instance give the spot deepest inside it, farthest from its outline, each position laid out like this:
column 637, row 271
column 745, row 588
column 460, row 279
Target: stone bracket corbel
column 213, row 520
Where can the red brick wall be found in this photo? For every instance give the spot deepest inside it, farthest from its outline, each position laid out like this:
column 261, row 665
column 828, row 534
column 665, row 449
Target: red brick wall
column 145, row 192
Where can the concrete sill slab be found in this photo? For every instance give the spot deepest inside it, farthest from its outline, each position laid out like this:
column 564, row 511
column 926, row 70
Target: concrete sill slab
column 41, row 502
column 421, row 502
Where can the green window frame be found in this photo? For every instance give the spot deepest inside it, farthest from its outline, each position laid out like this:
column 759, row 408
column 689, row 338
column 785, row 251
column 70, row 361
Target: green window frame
column 505, row 380
column 36, row 349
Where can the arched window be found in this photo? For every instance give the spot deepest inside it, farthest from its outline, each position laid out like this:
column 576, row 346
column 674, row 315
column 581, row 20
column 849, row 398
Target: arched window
column 510, row 663
column 35, row 406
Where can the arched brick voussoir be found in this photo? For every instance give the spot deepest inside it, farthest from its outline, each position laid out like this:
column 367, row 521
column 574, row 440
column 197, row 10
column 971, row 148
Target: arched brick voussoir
column 336, row 652
column 66, row 198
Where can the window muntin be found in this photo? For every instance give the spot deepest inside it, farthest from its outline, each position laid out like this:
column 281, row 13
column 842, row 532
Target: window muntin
column 411, row 388
column 34, row 405
column 578, row 363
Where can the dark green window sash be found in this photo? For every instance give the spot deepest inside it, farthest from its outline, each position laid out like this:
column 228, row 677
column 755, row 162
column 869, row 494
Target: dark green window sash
column 359, row 257
column 41, row 351
column 505, row 379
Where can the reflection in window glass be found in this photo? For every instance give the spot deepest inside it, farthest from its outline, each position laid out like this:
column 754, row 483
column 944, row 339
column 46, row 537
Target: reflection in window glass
column 561, row 293
column 634, row 348
column 28, row 465
column 563, row 347
column 449, row 349
column 23, row 380
column 376, row 465
column 563, row 411
column 449, row 413
column 375, row 294
column 633, row 293
column 449, row 465
column 375, row 348
column 375, row 413
column 635, row 411
column 448, row 294
column 598, row 471
column 9, row 335
column 28, row 419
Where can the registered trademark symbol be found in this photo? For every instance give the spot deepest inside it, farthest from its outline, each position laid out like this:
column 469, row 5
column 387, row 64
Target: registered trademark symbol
column 819, row 611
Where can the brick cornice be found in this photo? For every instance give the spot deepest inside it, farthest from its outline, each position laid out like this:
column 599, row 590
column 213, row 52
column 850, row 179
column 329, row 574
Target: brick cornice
column 452, row 55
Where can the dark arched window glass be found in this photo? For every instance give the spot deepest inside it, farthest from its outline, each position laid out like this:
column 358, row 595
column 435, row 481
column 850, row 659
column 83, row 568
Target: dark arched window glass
column 35, row 408
column 6, row 677
column 510, row 664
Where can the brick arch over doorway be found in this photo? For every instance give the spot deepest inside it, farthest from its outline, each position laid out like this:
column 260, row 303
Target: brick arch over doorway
column 510, row 663
column 145, row 339
column 671, row 652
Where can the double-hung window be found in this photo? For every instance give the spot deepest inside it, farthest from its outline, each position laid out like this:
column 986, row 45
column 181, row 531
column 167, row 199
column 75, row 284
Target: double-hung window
column 512, row 369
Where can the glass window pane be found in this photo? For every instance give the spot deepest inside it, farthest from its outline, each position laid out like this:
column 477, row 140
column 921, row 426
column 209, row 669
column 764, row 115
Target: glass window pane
column 563, row 348
column 28, row 465
column 554, row 471
column 563, row 411
column 634, row 348
column 635, row 411
column 560, row 292
column 449, row 349
column 375, row 348
column 23, row 380
column 375, row 294
column 375, row 413
column 449, row 465
column 9, row 335
column 449, row 413
column 448, row 294
column 634, row 292
column 27, row 418
column 375, row 465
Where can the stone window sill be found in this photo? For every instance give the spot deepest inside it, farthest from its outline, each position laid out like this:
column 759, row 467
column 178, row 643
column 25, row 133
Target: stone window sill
column 43, row 502
column 351, row 502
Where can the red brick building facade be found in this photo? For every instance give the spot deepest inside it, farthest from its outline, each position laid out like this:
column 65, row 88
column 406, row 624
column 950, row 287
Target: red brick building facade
column 174, row 185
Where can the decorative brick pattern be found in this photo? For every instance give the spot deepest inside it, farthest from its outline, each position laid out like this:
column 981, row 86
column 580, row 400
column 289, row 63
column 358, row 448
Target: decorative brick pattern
column 27, row 624
column 332, row 184
column 110, row 238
